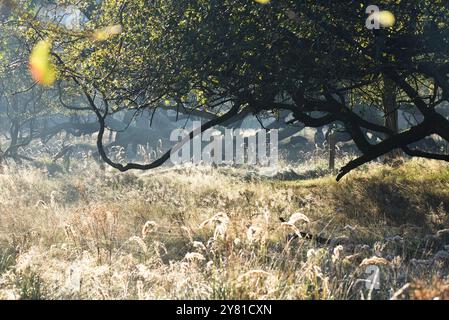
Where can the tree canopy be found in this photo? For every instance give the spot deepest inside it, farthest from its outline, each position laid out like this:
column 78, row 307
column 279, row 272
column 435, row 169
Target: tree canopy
column 227, row 58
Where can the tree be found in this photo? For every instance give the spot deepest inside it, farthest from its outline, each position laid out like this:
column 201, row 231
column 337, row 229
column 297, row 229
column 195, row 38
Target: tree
column 315, row 59
column 23, row 104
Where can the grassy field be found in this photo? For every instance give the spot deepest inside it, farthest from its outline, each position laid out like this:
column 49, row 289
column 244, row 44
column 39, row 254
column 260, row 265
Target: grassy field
column 225, row 233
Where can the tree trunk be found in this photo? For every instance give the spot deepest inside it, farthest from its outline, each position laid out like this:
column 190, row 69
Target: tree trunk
column 332, row 150
column 390, row 107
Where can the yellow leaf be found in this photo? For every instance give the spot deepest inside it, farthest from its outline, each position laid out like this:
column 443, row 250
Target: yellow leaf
column 107, row 32
column 41, row 68
column 385, row 18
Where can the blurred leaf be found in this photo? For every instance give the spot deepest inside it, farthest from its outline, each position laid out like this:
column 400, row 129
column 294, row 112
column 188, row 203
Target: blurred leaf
column 42, row 70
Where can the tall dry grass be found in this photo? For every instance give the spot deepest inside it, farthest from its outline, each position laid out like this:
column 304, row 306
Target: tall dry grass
column 224, row 233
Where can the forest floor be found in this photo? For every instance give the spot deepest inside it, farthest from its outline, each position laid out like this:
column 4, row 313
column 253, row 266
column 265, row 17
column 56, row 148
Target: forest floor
column 225, row 233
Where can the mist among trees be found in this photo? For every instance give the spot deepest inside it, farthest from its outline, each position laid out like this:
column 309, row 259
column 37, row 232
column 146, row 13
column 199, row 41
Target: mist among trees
column 357, row 94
